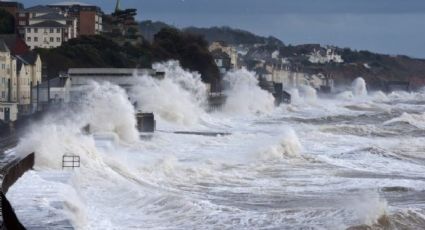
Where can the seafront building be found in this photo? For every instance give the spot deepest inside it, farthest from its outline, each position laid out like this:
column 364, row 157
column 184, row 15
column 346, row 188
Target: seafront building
column 19, row 71
column 228, row 49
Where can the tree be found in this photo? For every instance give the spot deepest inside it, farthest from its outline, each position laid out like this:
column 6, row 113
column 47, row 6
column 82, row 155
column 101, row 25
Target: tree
column 7, row 22
column 191, row 50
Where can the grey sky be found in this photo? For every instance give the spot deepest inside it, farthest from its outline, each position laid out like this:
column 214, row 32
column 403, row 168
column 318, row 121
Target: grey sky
column 385, row 26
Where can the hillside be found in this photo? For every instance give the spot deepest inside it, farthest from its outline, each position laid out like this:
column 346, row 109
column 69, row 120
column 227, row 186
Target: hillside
column 226, row 34
column 377, row 69
column 101, row 52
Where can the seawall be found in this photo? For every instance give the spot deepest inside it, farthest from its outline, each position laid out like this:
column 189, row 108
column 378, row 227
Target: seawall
column 11, row 169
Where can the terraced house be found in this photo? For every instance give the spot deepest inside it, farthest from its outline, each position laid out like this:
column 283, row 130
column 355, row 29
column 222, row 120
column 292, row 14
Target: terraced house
column 19, row 72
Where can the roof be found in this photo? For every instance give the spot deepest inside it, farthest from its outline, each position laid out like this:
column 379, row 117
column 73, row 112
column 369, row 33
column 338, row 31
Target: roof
column 3, row 46
column 218, row 54
column 47, row 24
column 70, row 3
column 40, row 9
column 29, row 57
column 52, row 16
column 102, row 72
column 15, row 44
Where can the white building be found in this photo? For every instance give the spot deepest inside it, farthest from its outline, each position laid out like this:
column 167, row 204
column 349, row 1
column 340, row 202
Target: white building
column 47, row 34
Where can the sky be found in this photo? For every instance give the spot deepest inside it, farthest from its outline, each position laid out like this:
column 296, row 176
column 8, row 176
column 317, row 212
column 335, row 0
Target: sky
column 383, row 26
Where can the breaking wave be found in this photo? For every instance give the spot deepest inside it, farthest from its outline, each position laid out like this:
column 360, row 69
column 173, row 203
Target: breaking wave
column 289, row 147
column 244, row 96
column 417, row 120
column 180, row 97
column 105, row 108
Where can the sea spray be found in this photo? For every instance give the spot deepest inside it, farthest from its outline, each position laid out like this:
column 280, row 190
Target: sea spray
column 105, row 108
column 180, row 97
column 369, row 208
column 308, row 93
column 359, row 87
column 289, row 147
column 358, row 90
column 244, row 95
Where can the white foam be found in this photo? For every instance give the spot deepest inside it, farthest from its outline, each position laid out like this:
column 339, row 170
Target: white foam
column 180, row 97
column 244, row 96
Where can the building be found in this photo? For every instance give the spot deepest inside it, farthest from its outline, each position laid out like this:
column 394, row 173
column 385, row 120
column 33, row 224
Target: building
column 222, row 60
column 16, row 44
column 88, row 17
column 19, row 71
column 25, row 15
column 28, row 69
column 124, row 77
column 8, row 105
column 229, row 50
column 53, row 92
column 46, row 34
column 11, row 7
column 7, row 74
column 45, row 27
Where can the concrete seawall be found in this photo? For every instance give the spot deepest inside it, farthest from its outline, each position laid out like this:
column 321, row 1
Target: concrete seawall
column 11, row 169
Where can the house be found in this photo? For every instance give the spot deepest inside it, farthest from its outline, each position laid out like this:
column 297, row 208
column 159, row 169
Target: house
column 8, row 84
column 88, row 17
column 25, row 15
column 229, row 50
column 45, row 27
column 46, row 34
column 28, row 75
column 222, row 60
column 19, row 71
column 16, row 44
column 7, row 74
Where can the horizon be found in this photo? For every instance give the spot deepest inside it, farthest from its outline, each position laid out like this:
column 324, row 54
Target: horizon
column 383, row 26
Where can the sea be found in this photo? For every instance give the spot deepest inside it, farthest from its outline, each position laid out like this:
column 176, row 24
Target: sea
column 353, row 159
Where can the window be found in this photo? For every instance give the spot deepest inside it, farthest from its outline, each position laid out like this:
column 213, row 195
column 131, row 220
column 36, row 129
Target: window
column 52, row 39
column 35, row 30
column 21, row 14
column 28, row 39
column 3, row 66
column 58, row 30
column 22, row 23
column 1, row 110
column 52, row 30
column 34, row 15
column 3, row 94
column 28, row 30
column 58, row 39
column 36, row 39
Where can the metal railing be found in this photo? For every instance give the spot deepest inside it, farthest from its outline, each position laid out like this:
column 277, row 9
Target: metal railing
column 70, row 161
